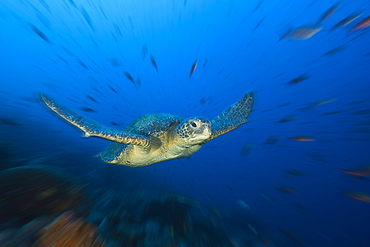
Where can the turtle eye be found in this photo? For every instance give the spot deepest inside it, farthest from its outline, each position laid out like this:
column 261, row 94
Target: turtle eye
column 194, row 124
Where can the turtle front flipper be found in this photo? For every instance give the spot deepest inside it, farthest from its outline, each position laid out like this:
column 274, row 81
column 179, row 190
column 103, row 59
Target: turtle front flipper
column 233, row 116
column 92, row 128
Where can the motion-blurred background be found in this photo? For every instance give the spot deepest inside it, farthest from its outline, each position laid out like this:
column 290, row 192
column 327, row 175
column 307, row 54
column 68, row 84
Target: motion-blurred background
column 297, row 174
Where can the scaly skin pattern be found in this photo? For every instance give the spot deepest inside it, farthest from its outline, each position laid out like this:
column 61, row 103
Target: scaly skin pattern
column 177, row 141
column 157, row 137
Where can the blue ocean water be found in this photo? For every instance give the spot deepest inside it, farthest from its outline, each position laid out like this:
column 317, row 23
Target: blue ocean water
column 296, row 174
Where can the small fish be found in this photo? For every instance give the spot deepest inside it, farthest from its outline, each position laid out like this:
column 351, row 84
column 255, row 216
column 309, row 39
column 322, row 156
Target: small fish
column 8, row 121
column 357, row 102
column 87, row 109
column 243, row 204
column 91, row 98
column 361, row 174
column 129, row 77
column 72, row 3
column 302, row 138
column 114, row 123
column 258, row 5
column 287, row 119
column 61, row 58
column 334, row 51
column 213, row 148
column 114, row 62
column 286, row 189
column 272, row 139
column 299, row 79
column 138, row 82
column 324, row 101
column 215, row 211
column 317, row 157
column 332, row 113
column 294, row 172
column 205, row 63
column 111, row 88
column 291, row 235
column 308, row 122
column 365, row 23
column 46, row 193
column 329, row 12
column 347, row 20
column 285, row 35
column 282, row 105
column 267, row 196
column 300, row 209
column 81, row 63
column 259, row 23
column 154, row 63
column 358, row 195
column 87, row 18
column 144, row 51
column 265, row 241
column 193, row 67
column 229, row 187
column 303, row 33
column 246, row 149
column 39, row 33
column 357, row 36
column 254, row 230
column 267, row 110
column 362, row 112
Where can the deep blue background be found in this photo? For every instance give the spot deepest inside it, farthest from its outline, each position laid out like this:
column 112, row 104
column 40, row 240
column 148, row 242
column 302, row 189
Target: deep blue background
column 240, row 59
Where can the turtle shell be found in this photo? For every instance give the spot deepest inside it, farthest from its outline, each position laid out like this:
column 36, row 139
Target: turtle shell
column 153, row 124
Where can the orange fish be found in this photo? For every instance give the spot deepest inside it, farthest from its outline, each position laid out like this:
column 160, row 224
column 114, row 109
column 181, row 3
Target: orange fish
column 365, row 23
column 347, row 20
column 324, row 101
column 357, row 174
column 358, row 195
column 302, row 138
column 193, row 67
column 329, row 12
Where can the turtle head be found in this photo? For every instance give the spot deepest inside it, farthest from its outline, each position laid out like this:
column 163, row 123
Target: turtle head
column 194, row 130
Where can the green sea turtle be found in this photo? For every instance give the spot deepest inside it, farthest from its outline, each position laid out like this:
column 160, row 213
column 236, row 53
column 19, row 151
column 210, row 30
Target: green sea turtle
column 157, row 137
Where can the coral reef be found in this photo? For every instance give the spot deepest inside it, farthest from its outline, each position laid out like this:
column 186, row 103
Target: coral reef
column 63, row 231
column 28, row 192
column 67, row 231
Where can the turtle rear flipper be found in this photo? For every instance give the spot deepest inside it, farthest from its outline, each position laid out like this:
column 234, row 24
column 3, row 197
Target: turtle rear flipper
column 233, row 116
column 92, row 128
